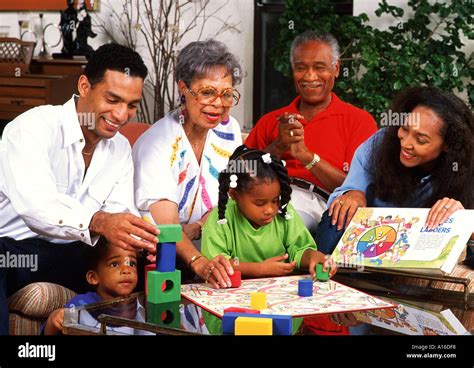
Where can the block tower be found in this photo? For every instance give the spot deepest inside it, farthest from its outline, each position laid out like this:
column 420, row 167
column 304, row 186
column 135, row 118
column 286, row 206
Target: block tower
column 164, row 282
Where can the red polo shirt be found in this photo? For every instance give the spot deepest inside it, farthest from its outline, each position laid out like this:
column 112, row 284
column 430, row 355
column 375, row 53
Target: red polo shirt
column 334, row 134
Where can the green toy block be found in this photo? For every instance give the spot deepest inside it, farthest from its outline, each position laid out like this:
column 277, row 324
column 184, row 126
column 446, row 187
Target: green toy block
column 164, row 287
column 170, row 233
column 164, row 314
column 320, row 274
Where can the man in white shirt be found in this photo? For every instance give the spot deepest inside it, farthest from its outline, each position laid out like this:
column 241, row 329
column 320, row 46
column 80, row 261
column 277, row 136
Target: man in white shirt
column 66, row 178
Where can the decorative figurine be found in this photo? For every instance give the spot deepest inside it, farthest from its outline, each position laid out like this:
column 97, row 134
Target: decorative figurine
column 68, row 25
column 84, row 30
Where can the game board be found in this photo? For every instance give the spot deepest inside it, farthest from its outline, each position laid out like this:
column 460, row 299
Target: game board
column 282, row 297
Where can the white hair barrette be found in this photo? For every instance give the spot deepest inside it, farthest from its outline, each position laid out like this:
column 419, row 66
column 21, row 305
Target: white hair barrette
column 233, row 181
column 267, row 158
column 222, row 221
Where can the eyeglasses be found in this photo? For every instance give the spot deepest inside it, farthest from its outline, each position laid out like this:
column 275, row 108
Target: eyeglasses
column 206, row 95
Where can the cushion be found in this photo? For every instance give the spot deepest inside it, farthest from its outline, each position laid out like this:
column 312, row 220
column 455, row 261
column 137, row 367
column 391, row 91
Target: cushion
column 39, row 299
column 23, row 326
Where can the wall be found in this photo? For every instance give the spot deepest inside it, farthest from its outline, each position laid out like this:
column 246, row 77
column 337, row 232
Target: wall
column 237, row 11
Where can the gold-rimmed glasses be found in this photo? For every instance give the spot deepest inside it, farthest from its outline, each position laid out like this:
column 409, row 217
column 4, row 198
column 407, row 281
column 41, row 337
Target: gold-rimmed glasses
column 206, row 95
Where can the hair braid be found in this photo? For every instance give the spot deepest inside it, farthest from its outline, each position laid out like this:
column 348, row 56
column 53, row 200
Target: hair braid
column 223, row 195
column 284, row 180
column 224, row 181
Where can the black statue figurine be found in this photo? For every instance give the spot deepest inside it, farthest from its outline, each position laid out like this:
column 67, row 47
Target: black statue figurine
column 84, row 30
column 68, row 25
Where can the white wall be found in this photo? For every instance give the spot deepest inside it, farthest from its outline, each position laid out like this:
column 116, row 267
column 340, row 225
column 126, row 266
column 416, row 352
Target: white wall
column 241, row 44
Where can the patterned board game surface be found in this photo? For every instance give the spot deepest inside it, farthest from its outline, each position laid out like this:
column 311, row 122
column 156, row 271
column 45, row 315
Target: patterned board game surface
column 283, row 298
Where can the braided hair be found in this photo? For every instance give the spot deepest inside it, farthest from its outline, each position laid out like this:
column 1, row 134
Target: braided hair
column 250, row 166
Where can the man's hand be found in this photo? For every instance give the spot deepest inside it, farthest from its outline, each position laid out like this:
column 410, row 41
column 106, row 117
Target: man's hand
column 276, row 266
column 344, row 319
column 345, row 206
column 122, row 229
column 54, row 324
column 290, row 130
column 301, row 153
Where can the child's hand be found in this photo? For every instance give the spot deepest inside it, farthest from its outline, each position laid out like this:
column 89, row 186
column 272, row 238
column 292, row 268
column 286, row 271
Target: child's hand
column 276, row 266
column 329, row 262
column 316, row 257
column 344, row 319
column 54, row 324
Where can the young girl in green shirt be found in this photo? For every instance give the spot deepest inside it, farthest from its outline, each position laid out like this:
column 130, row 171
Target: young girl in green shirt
column 257, row 224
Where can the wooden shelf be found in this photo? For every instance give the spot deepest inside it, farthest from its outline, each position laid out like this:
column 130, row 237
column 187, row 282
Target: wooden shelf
column 52, row 81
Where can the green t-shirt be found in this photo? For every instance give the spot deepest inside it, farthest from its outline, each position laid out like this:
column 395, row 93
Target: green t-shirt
column 238, row 238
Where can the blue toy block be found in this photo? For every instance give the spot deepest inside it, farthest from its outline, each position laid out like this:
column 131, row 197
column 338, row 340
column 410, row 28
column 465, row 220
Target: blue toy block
column 166, row 257
column 305, row 287
column 282, row 325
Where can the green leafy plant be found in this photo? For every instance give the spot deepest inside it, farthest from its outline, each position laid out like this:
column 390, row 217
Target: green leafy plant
column 375, row 64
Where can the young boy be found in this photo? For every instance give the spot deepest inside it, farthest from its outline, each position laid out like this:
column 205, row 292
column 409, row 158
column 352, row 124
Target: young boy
column 112, row 271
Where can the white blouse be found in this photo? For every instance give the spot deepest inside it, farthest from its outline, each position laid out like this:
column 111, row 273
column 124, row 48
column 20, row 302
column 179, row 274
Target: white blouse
column 166, row 167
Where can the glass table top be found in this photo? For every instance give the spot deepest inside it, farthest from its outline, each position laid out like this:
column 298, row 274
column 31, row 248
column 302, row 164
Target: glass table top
column 442, row 313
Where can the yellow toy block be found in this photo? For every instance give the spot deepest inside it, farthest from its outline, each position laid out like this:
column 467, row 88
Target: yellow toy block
column 253, row 326
column 258, row 300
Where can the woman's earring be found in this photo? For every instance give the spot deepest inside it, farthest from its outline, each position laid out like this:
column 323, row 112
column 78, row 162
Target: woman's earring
column 182, row 115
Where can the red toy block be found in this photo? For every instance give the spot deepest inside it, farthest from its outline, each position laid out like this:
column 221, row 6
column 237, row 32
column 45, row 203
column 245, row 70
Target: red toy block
column 241, row 310
column 236, row 279
column 151, row 267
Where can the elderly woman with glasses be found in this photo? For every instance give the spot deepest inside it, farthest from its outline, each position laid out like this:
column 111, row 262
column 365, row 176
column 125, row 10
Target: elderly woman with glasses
column 178, row 160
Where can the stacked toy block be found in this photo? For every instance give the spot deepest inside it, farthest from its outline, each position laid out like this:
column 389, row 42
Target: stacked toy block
column 163, row 284
column 256, row 324
column 250, row 321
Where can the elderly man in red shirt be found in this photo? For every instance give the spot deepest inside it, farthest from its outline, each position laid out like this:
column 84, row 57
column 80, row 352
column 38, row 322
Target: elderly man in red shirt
column 317, row 134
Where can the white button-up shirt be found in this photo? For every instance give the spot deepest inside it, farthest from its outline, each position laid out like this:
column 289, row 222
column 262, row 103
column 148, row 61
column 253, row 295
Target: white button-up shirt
column 43, row 190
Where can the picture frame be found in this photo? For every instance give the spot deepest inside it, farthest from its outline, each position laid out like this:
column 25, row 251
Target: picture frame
column 43, row 5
